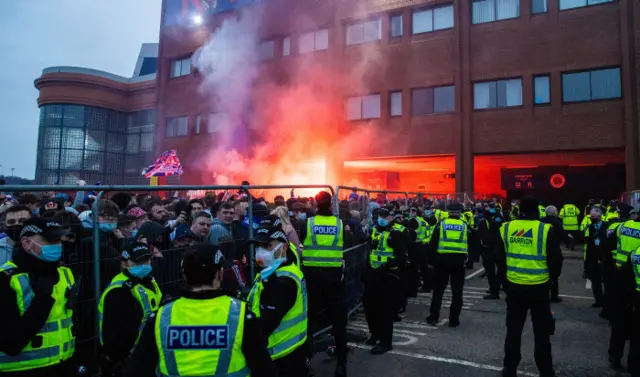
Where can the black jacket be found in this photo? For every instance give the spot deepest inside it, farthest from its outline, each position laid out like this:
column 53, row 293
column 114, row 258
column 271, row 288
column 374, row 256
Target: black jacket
column 254, row 344
column 596, row 243
column 556, row 223
column 554, row 259
column 122, row 317
column 18, row 330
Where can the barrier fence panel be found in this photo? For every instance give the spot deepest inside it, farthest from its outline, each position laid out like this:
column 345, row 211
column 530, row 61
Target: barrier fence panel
column 631, row 198
column 385, row 197
column 353, row 206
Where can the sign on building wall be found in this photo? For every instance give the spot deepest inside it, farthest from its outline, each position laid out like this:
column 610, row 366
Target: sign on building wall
column 182, row 11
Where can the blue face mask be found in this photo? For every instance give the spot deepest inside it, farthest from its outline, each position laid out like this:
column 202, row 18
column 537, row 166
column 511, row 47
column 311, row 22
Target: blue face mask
column 303, row 216
column 427, row 213
column 108, row 227
column 290, row 213
column 492, row 210
column 383, row 222
column 140, row 271
column 133, row 233
column 50, row 253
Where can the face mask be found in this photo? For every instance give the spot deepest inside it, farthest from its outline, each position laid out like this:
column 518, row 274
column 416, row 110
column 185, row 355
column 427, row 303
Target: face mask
column 267, row 259
column 513, row 204
column 290, row 213
column 133, row 233
column 302, row 216
column 383, row 222
column 108, row 227
column 492, row 210
column 141, row 271
column 13, row 232
column 427, row 213
column 50, row 253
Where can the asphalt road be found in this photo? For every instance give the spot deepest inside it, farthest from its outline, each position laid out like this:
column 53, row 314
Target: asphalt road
column 475, row 348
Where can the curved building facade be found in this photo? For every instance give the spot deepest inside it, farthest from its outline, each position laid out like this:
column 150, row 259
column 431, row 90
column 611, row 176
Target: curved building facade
column 95, row 126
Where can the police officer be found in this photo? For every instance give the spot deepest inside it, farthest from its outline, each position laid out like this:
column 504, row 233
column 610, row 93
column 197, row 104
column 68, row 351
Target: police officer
column 388, row 252
column 595, row 236
column 204, row 332
column 426, row 270
column 621, row 301
column 417, row 227
column 530, row 254
column 279, row 300
column 448, row 251
column 632, row 275
column 569, row 215
column 489, row 235
column 36, row 297
column 125, row 305
column 323, row 268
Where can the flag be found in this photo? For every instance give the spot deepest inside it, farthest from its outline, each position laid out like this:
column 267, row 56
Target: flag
column 168, row 164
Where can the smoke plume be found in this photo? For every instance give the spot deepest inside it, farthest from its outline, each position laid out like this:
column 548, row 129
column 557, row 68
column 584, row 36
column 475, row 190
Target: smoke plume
column 279, row 120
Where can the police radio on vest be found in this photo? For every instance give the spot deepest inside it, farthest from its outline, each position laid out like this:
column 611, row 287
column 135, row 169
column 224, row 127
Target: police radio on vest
column 325, row 229
column 198, row 337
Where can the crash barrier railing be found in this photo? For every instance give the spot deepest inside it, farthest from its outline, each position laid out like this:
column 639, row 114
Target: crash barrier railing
column 345, row 201
column 461, row 197
column 355, row 260
column 388, row 196
column 631, row 198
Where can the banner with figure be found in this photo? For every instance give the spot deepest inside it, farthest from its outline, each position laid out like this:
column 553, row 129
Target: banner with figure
column 167, row 165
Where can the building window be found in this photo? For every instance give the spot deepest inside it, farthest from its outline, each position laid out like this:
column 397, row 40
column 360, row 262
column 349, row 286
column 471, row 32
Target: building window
column 591, row 85
column 366, row 31
column 180, row 67
column 266, row 50
column 395, row 100
column 217, row 122
column 541, row 90
column 396, row 25
column 313, row 41
column 572, row 4
column 433, row 100
column 365, row 107
column 177, row 126
column 427, row 20
column 286, row 46
column 497, row 94
column 494, row 10
column 198, row 124
column 538, row 6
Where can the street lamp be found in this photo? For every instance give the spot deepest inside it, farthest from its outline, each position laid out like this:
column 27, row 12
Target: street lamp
column 12, row 169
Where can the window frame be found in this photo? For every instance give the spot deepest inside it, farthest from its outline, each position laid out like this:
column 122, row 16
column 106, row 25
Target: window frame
column 166, row 126
column 315, row 37
column 546, row 7
column 590, row 71
column 391, row 93
column 180, row 60
column 361, row 98
column 361, row 23
column 261, row 49
column 473, row 93
column 286, row 41
column 391, row 17
column 433, row 96
column 495, row 12
column 587, row 5
column 533, row 89
column 432, row 8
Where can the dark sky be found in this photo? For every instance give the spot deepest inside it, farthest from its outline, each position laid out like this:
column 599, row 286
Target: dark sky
column 35, row 34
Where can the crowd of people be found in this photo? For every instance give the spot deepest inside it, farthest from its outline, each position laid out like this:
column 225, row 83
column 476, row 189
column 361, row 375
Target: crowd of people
column 164, row 263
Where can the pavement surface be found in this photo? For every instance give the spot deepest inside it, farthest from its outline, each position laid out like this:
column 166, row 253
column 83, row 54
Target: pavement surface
column 476, row 347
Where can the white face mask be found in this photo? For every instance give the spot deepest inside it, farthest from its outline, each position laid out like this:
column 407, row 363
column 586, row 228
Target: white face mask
column 266, row 259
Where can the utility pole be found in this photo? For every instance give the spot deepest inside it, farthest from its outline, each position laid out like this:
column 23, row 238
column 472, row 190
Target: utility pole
column 12, row 169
